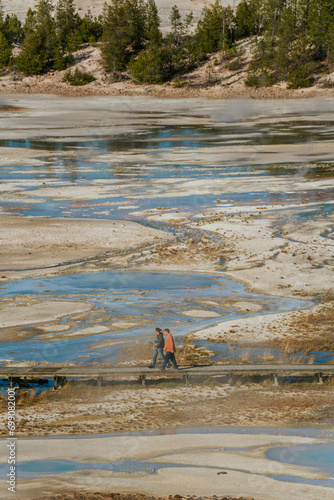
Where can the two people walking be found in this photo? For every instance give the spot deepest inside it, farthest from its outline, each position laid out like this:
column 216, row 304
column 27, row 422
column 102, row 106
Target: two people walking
column 159, row 346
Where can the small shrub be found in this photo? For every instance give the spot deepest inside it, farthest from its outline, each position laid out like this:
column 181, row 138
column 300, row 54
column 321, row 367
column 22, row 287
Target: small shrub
column 302, row 75
column 328, row 84
column 215, row 62
column 231, row 53
column 78, row 77
column 299, row 78
column 62, row 62
column 148, row 67
column 235, row 65
column 177, row 83
column 252, row 80
column 261, row 78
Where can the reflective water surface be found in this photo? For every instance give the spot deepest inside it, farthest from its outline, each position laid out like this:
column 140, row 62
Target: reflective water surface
column 250, row 155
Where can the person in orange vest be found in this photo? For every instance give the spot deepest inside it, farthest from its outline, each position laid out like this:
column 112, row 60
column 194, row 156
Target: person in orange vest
column 170, row 350
column 158, row 347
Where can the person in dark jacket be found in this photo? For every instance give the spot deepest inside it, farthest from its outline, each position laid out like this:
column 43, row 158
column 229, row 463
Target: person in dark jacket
column 158, row 347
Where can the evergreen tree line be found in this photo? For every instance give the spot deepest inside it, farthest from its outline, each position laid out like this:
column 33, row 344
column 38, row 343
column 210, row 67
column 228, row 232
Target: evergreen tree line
column 47, row 38
column 293, row 39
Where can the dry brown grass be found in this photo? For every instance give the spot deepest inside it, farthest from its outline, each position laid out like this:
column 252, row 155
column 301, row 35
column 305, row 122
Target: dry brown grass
column 187, row 353
column 310, row 331
column 79, row 408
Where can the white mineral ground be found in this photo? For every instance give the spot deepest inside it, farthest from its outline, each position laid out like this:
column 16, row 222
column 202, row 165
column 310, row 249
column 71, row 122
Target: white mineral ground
column 296, row 264
column 40, row 313
column 28, row 243
column 245, row 469
column 20, row 7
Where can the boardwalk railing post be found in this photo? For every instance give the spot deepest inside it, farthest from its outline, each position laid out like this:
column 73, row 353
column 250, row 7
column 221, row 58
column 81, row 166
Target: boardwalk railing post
column 275, row 380
column 18, row 376
column 24, row 382
column 142, row 380
column 13, row 381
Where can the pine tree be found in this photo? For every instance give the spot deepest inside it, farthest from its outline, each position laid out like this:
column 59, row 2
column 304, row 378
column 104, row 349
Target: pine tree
column 115, row 36
column 126, row 31
column 136, row 13
column 91, row 29
column 177, row 26
column 258, row 20
column 67, row 23
column 33, row 57
column 215, row 30
column 321, row 20
column 5, row 50
column 243, row 18
column 1, row 15
column 284, row 42
column 46, row 30
column 179, row 54
column 149, row 67
column 153, row 33
column 41, row 50
column 30, row 23
column 12, row 29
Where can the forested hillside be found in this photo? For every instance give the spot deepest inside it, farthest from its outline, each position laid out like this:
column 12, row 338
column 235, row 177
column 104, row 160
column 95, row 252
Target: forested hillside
column 291, row 40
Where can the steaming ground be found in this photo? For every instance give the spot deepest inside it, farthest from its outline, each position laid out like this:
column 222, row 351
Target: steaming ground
column 261, row 241
column 257, row 239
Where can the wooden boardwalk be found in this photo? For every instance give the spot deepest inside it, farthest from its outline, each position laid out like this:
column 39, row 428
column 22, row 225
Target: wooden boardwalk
column 60, row 374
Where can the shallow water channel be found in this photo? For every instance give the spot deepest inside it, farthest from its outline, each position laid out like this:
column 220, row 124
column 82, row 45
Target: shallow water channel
column 155, row 298
column 318, row 457
column 177, row 168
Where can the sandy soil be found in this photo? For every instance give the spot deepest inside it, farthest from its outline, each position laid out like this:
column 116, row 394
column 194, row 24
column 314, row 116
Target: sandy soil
column 297, row 263
column 131, row 408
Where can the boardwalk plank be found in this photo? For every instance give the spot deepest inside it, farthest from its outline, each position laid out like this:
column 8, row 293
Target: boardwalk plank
column 213, row 370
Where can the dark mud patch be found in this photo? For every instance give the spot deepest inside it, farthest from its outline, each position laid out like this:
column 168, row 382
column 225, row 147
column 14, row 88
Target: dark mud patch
column 7, row 108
